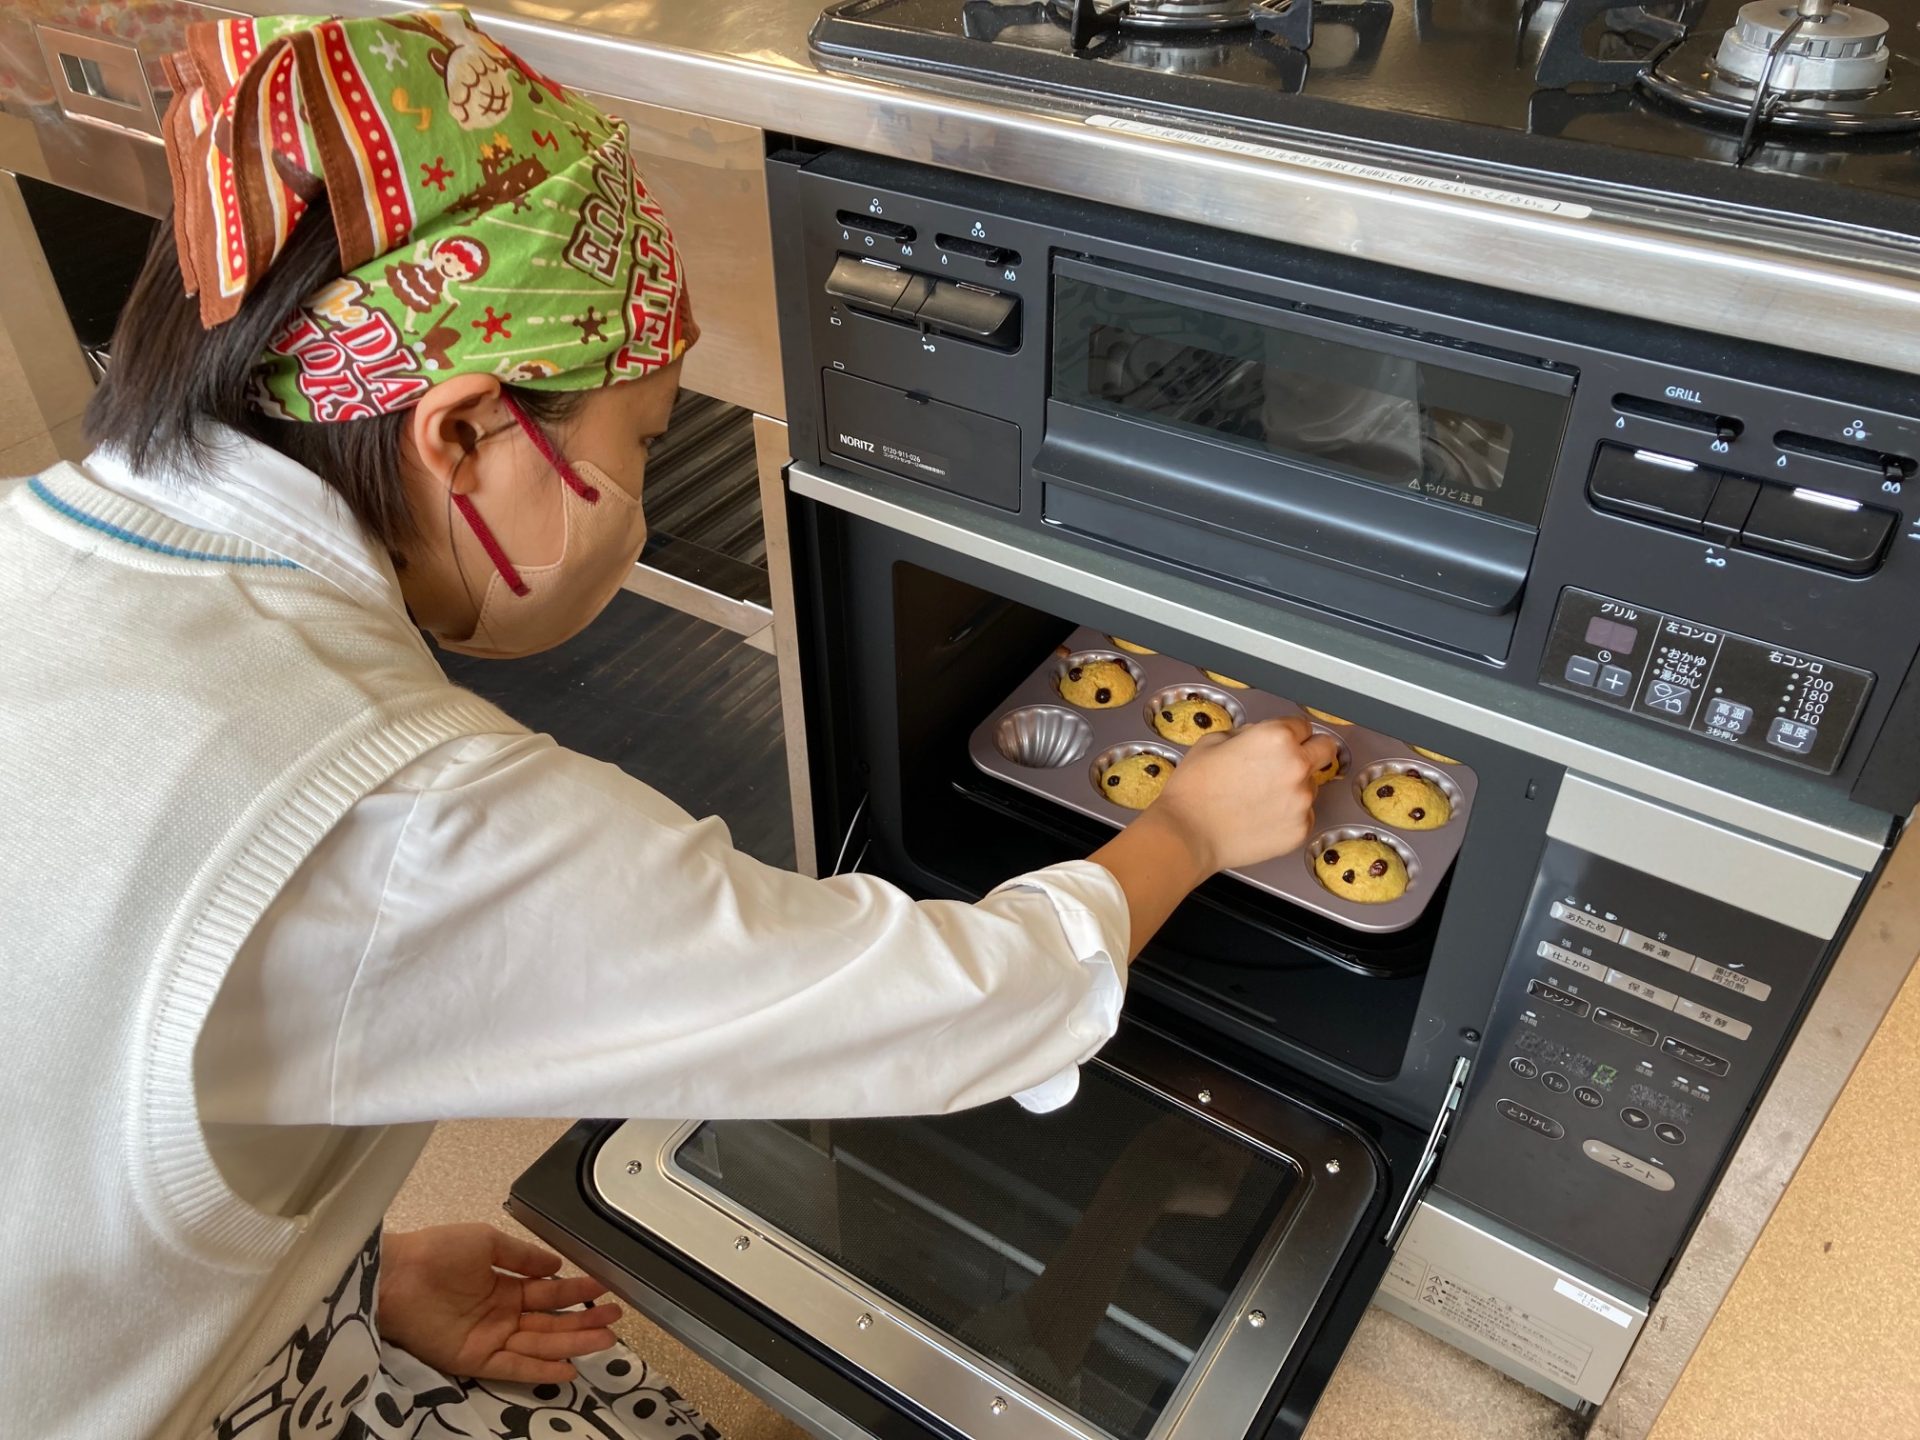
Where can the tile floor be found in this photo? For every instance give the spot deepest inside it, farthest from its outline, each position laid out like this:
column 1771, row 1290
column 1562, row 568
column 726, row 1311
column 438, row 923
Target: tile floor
column 1816, row 1340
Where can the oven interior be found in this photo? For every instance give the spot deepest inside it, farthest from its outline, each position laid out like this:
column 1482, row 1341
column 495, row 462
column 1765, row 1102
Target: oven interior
column 928, row 655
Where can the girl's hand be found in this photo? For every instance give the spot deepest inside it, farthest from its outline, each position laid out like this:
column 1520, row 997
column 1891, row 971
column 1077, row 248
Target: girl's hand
column 1246, row 797
column 473, row 1301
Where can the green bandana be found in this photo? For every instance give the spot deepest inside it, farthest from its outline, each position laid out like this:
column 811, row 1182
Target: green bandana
column 489, row 222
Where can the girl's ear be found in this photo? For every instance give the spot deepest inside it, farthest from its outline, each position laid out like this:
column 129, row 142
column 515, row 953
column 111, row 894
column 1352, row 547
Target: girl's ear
column 447, row 423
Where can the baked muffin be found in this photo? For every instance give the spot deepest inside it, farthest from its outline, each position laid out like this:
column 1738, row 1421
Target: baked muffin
column 1192, row 718
column 1329, row 772
column 1097, row 685
column 1130, row 647
column 1367, row 870
column 1406, row 800
column 1323, row 717
column 1136, row 781
column 1434, row 755
column 1226, row 680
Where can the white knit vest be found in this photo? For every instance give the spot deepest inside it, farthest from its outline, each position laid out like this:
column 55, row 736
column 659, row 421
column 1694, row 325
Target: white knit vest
column 183, row 716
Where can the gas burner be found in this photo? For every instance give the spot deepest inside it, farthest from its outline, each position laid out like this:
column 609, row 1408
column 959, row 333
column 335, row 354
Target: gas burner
column 1285, row 22
column 1166, row 16
column 1813, row 67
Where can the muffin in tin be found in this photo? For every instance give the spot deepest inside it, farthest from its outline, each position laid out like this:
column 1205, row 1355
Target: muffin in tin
column 1096, row 684
column 1324, row 718
column 1365, row 869
column 1226, row 680
column 1406, row 800
column 1192, row 718
column 1136, row 781
column 1131, row 647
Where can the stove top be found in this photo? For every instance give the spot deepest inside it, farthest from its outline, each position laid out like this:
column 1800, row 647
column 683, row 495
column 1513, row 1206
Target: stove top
column 1803, row 110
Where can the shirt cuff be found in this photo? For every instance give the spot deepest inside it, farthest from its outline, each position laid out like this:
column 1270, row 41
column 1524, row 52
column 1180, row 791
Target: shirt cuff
column 1098, row 926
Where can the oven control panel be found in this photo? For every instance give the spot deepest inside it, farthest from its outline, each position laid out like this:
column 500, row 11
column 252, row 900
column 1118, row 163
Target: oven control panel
column 1789, row 706
column 1635, row 1025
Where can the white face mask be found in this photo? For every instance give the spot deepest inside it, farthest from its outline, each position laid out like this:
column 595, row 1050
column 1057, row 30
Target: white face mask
column 536, row 608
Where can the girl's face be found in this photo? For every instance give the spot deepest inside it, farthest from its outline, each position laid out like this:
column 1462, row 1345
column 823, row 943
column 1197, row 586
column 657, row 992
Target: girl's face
column 516, row 490
column 454, row 268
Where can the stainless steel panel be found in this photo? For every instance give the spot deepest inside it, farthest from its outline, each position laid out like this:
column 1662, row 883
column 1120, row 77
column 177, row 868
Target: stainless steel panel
column 99, row 80
column 770, row 449
column 1751, row 874
column 1556, row 1327
column 711, row 177
column 978, row 538
column 747, row 61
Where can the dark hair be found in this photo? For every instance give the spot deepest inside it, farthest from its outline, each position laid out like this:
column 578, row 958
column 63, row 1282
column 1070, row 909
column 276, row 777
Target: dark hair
column 169, row 380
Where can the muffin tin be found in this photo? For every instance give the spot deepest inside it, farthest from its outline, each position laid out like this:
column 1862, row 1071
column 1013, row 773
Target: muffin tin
column 1036, row 740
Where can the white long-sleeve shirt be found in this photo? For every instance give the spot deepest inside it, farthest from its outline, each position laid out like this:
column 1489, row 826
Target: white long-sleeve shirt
column 507, row 927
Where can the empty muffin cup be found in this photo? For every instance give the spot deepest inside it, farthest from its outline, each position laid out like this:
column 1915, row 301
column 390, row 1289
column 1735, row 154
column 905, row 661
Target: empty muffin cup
column 1172, row 715
column 1043, row 737
column 1132, row 775
column 1401, row 792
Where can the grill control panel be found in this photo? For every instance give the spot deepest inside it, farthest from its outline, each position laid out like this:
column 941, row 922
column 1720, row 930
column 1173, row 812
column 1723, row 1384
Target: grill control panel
column 1764, row 699
column 1635, row 1024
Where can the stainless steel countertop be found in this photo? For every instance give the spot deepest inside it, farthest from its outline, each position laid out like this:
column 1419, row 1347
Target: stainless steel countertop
column 747, row 61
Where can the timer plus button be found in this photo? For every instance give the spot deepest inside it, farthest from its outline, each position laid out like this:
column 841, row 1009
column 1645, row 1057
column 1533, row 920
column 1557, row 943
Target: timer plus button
column 1615, row 681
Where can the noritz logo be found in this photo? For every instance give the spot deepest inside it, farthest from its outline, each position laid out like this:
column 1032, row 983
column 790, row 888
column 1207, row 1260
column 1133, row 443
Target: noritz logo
column 854, row 442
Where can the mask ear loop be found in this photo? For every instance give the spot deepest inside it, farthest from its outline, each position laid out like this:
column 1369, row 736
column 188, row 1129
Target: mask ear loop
column 481, row 532
column 552, row 456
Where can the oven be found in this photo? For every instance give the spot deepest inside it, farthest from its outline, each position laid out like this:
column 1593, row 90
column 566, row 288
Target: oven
column 1635, row 602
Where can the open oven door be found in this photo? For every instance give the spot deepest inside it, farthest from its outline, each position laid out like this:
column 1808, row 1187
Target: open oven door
column 1183, row 1251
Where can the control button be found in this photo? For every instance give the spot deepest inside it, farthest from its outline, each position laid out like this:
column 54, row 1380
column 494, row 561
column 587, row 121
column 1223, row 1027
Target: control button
column 1672, row 1134
column 1523, row 1067
column 1556, row 1082
column 972, row 312
column 1589, row 1097
column 1579, row 964
column 1657, row 950
column 1582, row 671
column 1621, row 1025
column 1736, row 980
column 1533, row 1120
column 1732, row 503
column 1640, row 989
column 1614, row 680
column 1581, row 920
column 1725, row 1024
column 1791, row 735
column 1559, row 999
column 1649, row 486
column 1668, row 697
column 1635, row 1119
column 1728, row 718
column 1819, row 529
column 1651, row 1176
column 1693, row 1055
column 865, row 284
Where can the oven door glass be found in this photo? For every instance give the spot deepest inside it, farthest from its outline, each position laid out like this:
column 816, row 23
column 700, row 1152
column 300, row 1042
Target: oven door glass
column 1367, row 403
column 1077, row 1273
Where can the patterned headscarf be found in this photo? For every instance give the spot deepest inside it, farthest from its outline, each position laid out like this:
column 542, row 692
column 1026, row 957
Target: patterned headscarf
column 489, row 222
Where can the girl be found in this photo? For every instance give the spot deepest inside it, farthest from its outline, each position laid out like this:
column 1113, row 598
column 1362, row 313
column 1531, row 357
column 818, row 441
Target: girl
column 277, row 894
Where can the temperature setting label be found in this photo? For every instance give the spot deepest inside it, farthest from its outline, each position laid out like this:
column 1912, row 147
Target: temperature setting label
column 1786, row 705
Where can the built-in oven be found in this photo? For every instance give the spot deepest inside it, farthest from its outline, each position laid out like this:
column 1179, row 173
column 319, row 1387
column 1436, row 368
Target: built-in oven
column 1613, row 627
